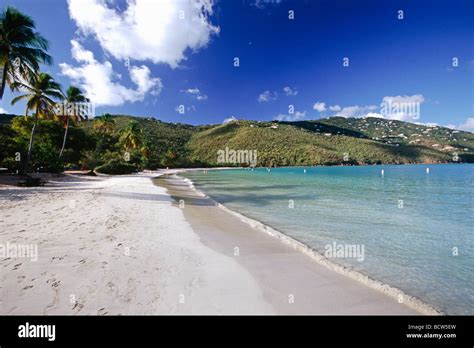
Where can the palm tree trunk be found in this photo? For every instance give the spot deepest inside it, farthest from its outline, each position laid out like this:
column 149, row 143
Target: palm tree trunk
column 65, row 137
column 4, row 80
column 30, row 146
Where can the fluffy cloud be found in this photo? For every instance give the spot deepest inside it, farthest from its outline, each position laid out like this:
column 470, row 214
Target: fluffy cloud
column 289, row 91
column 157, row 31
column 467, row 125
column 297, row 116
column 335, row 108
column 229, row 119
column 145, row 84
column 3, row 111
column 195, row 93
column 320, row 107
column 99, row 81
column 267, row 96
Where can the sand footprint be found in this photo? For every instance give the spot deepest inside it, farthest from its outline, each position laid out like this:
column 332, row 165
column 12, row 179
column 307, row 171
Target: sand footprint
column 78, row 306
column 102, row 311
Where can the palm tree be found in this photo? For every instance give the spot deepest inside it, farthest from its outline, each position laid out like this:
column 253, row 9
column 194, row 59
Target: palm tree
column 104, row 124
column 40, row 92
column 73, row 95
column 131, row 136
column 22, row 49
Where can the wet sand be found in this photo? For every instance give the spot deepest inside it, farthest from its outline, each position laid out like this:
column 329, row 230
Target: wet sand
column 291, row 282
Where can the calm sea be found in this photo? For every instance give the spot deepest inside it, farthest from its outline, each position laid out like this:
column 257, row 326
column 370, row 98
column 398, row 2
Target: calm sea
column 416, row 228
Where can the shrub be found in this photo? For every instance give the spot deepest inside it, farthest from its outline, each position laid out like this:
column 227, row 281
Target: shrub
column 116, row 167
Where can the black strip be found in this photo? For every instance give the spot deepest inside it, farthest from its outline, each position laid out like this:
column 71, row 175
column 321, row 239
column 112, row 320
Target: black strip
column 241, row 330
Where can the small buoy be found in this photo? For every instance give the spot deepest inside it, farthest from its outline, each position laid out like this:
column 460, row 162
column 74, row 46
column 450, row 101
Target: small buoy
column 427, row 170
column 305, row 171
column 382, row 172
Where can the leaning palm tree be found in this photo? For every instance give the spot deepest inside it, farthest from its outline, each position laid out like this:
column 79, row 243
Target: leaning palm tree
column 73, row 95
column 40, row 94
column 104, row 124
column 22, row 49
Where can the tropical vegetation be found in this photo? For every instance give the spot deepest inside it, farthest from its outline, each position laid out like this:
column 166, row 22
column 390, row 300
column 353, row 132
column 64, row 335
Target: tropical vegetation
column 53, row 137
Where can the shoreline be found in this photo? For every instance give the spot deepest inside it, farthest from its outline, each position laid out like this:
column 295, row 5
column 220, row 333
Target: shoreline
column 410, row 301
column 311, row 258
column 121, row 245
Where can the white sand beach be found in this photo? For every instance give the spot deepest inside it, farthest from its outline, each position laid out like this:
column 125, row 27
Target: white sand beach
column 121, row 245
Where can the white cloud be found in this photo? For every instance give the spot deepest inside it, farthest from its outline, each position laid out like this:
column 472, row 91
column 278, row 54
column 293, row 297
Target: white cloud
column 145, row 84
column 467, row 125
column 229, row 119
column 319, row 106
column 416, row 98
column 99, row 81
column 297, row 116
column 157, row 31
column 356, row 110
column 81, row 55
column 195, row 93
column 289, row 91
column 402, row 108
column 267, row 96
column 374, row 114
column 3, row 111
column 348, row 111
column 192, row 91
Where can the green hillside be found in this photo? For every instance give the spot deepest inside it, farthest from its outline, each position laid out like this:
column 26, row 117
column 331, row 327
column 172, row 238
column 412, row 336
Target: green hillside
column 335, row 141
column 330, row 141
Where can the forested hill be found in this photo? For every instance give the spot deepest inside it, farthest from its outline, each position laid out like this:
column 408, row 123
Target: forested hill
column 336, row 140
column 157, row 144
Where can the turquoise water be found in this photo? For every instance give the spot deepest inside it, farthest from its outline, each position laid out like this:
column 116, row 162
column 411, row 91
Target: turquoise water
column 410, row 222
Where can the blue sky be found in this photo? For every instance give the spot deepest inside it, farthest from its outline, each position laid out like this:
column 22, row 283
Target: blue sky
column 149, row 57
